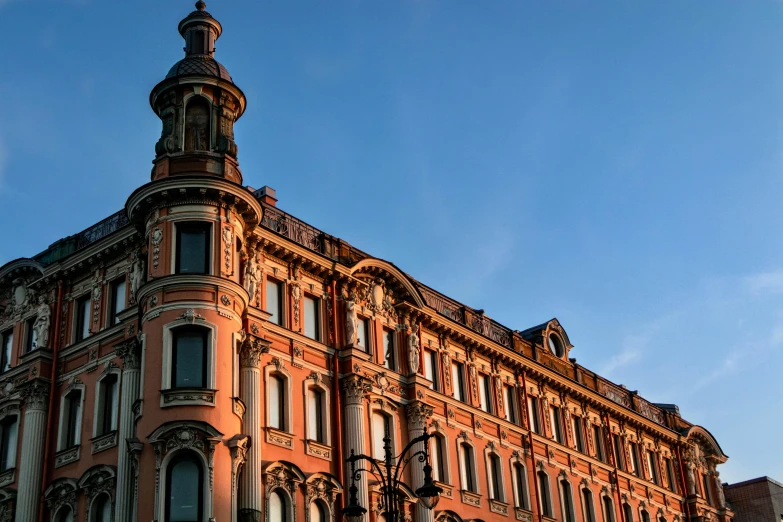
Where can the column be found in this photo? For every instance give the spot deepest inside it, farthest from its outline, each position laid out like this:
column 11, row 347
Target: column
column 36, row 400
column 418, row 413
column 130, row 351
column 251, row 485
column 354, row 432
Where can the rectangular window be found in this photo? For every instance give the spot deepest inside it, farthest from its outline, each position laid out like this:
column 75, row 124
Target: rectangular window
column 636, row 464
column 73, row 405
column 485, row 393
column 495, row 477
column 436, row 448
column 192, row 248
column 117, row 300
column 653, row 465
column 363, row 335
column 108, row 405
column 578, row 434
column 670, row 476
column 8, row 432
column 274, row 301
column 706, row 487
column 598, row 437
column 618, row 452
column 315, row 405
column 557, row 424
column 389, row 361
column 381, row 425
column 31, row 339
column 277, row 403
column 532, row 411
column 8, row 346
column 82, row 318
column 189, row 359
column 458, row 378
column 468, row 478
column 312, row 318
column 519, row 477
column 511, row 405
column 431, row 368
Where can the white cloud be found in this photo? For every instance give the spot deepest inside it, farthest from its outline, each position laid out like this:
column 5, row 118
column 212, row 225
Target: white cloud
column 765, row 283
column 633, row 348
column 727, row 366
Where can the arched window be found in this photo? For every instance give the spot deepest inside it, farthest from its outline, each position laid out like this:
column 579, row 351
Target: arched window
column 645, row 516
column 189, row 358
column 436, row 454
column 65, row 515
column 520, row 486
column 381, row 425
column 468, row 468
column 184, row 489
column 495, row 478
column 277, row 405
column 8, row 432
column 70, row 422
column 628, row 511
column 587, row 504
column 568, row 501
column 544, row 495
column 197, row 125
column 106, row 407
column 315, row 406
column 101, row 509
column 278, row 507
column 317, row 512
column 608, row 508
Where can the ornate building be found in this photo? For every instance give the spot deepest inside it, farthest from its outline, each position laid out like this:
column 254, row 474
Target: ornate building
column 202, row 355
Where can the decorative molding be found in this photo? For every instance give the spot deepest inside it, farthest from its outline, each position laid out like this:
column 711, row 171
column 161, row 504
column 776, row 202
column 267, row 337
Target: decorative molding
column 7, row 477
column 251, row 350
column 187, row 397
column 470, row 498
column 103, row 442
column 496, row 506
column 316, row 449
column 66, row 456
column 523, row 515
column 279, row 438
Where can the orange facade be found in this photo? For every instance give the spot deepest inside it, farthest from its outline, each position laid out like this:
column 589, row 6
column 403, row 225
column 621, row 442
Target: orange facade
column 203, row 355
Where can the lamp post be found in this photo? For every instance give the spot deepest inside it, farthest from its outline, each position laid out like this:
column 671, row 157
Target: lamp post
column 390, row 477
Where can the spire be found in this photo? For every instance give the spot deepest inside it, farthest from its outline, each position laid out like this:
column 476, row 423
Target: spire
column 200, row 31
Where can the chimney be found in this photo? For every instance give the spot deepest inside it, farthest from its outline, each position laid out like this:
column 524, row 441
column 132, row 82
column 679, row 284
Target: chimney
column 267, row 195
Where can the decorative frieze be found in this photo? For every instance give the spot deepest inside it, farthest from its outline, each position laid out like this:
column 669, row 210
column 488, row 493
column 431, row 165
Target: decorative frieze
column 67, row 456
column 103, row 442
column 470, row 498
column 318, row 450
column 7, row 477
column 279, row 438
column 187, row 397
column 496, row 506
column 523, row 514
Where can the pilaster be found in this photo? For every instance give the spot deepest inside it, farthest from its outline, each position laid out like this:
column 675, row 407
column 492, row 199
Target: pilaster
column 418, row 414
column 251, row 485
column 36, row 401
column 130, row 352
column 355, row 431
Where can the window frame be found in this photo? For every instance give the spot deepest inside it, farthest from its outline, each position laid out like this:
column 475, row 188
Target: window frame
column 273, row 370
column 485, row 393
column 468, row 475
column 204, row 334
column 113, row 320
column 316, row 302
column 99, row 416
column 280, row 290
column 566, row 491
column 168, row 352
column 652, row 464
column 458, row 377
column 7, row 338
column 598, row 442
column 66, row 404
column 93, row 507
column 511, row 411
column 556, row 414
column 443, row 438
column 79, row 321
column 179, row 227
column 389, row 335
column 544, row 487
column 617, row 446
column 588, row 505
column 181, row 456
column 8, row 451
column 577, row 424
column 496, row 487
column 431, row 369
column 533, row 412
column 521, row 490
column 636, row 463
column 366, row 324
column 607, row 508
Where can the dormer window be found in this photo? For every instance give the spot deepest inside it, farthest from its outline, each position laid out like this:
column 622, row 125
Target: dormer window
column 556, row 345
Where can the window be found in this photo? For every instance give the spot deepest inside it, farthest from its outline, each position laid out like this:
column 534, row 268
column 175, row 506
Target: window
column 706, row 488
column 653, row 465
column 555, row 346
column 458, row 377
column 197, row 122
column 363, row 335
column 532, row 410
column 520, row 489
column 544, row 496
column 587, row 504
column 438, row 464
column 645, row 516
column 598, row 437
column 101, row 509
column 568, row 501
column 628, row 511
column 8, row 346
column 670, row 476
column 578, row 433
column 618, row 452
column 495, row 478
column 72, row 418
column 117, row 300
column 315, row 405
column 485, row 393
column 184, row 489
column 557, row 424
column 192, row 248
column 107, row 404
column 389, row 360
column 278, row 507
column 512, row 414
column 82, row 311
column 381, row 426
column 189, row 358
column 467, row 468
column 608, row 508
column 317, row 512
column 65, row 515
column 8, row 432
column 277, row 402
column 431, row 368
column 274, row 301
column 635, row 464
column 312, row 318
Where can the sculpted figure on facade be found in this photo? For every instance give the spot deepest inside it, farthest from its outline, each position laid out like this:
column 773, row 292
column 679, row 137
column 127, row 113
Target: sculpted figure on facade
column 413, row 349
column 351, row 320
column 136, row 275
column 42, row 322
column 719, row 489
column 252, row 277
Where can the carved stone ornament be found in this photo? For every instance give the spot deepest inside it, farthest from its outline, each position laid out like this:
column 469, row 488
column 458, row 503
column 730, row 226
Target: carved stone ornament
column 296, row 297
column 418, row 413
column 35, row 395
column 251, row 278
column 413, row 349
column 251, row 350
column 137, row 276
column 156, row 237
column 351, row 320
column 324, row 488
column 191, row 316
column 130, row 353
column 356, row 387
column 43, row 320
column 98, row 480
column 61, row 492
column 228, row 240
column 238, row 446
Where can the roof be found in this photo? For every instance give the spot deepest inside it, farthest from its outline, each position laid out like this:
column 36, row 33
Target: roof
column 199, row 65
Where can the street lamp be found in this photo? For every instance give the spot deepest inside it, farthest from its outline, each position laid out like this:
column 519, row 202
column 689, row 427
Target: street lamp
column 390, row 477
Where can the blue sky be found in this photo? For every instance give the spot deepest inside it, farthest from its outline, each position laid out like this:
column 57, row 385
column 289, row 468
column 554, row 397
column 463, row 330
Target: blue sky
column 615, row 164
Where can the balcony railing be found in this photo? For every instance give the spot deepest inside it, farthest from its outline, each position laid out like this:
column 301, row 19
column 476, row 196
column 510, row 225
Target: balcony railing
column 102, row 229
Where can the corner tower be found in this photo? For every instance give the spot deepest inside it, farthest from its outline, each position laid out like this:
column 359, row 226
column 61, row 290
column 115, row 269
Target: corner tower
column 198, row 104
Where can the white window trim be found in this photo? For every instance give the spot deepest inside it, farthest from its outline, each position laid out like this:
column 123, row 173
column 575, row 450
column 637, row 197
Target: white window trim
column 313, row 383
column 288, row 499
column 516, row 461
column 582, row 489
column 74, row 320
column 549, row 508
column 206, row 491
column 63, row 509
column 461, row 460
column 319, row 316
column 109, row 320
column 630, row 511
column 201, row 218
column 369, row 337
column 97, row 417
column 385, row 408
column 395, row 350
column 62, row 427
column 613, row 515
column 488, row 453
column 168, row 346
column 280, row 371
column 563, row 499
column 444, row 446
column 281, row 296
column 92, row 514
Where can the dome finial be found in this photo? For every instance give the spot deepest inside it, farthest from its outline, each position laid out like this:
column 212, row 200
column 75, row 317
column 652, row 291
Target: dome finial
column 201, row 5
